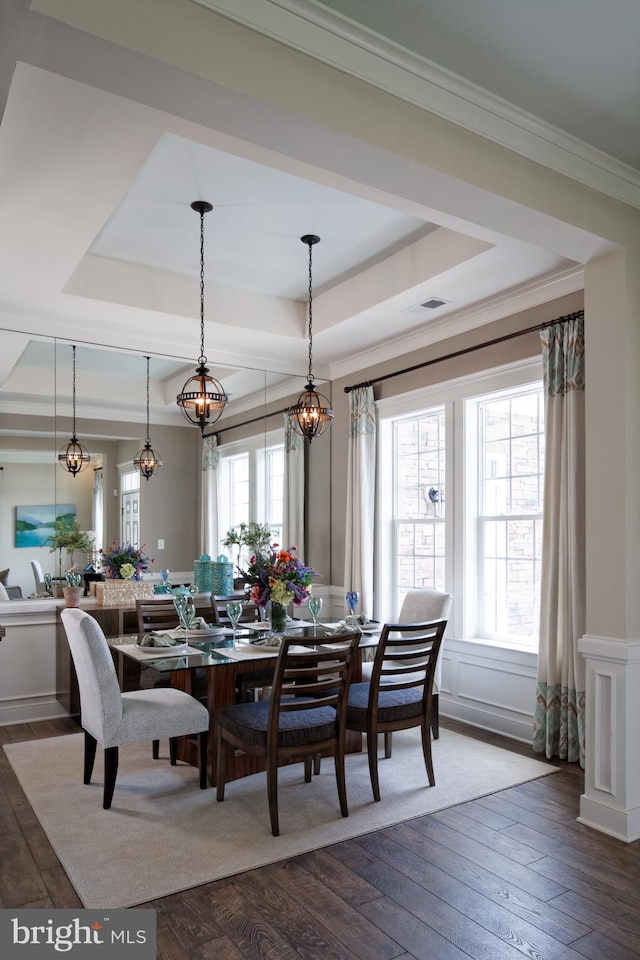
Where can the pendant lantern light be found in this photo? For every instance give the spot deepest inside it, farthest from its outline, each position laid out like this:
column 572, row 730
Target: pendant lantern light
column 312, row 414
column 202, row 399
column 74, row 457
column 148, row 462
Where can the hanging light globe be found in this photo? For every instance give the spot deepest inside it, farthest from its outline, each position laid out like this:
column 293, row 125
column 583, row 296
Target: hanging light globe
column 202, row 398
column 311, row 415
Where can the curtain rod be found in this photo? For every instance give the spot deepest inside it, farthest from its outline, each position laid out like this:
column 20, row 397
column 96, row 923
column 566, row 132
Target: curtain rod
column 245, row 423
column 459, row 353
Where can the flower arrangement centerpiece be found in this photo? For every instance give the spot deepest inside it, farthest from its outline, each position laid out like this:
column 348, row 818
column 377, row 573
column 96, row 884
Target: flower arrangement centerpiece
column 122, row 561
column 281, row 577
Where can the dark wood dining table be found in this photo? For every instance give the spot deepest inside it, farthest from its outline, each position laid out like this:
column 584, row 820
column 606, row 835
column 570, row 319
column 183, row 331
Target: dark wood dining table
column 224, row 667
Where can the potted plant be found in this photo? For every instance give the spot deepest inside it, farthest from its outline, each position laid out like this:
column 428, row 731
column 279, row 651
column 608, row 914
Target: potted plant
column 70, row 538
column 73, row 590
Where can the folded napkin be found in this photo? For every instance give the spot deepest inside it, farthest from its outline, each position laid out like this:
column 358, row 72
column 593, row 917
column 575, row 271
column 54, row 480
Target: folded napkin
column 157, row 639
column 266, row 642
column 342, row 627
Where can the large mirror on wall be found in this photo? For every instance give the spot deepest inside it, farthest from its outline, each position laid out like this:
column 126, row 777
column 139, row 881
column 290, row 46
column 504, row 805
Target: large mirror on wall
column 51, row 394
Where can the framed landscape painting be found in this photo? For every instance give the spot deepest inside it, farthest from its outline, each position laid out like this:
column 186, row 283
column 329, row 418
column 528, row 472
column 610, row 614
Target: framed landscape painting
column 34, row 525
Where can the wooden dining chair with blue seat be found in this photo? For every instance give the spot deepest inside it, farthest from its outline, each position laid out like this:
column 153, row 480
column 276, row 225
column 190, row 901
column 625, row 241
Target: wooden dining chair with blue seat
column 399, row 694
column 304, row 717
column 113, row 718
column 420, row 605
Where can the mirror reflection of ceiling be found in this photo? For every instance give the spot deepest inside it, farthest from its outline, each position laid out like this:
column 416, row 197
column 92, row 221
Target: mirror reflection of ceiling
column 97, row 187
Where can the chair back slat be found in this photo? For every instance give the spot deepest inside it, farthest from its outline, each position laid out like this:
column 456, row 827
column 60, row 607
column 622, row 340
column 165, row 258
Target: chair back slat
column 250, row 611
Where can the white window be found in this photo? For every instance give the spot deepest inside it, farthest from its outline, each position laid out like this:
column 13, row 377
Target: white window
column 461, row 469
column 250, row 486
column 510, row 490
column 419, row 502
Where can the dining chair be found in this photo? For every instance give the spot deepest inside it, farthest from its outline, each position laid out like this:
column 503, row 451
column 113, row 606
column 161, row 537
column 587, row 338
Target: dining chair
column 399, row 694
column 38, row 577
column 250, row 611
column 159, row 613
column 304, row 717
column 113, row 718
column 419, row 606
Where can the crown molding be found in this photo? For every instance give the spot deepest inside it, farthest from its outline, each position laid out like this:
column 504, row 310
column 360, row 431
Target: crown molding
column 340, row 42
column 524, row 297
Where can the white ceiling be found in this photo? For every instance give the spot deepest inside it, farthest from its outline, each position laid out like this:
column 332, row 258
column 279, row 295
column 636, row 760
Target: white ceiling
column 99, row 244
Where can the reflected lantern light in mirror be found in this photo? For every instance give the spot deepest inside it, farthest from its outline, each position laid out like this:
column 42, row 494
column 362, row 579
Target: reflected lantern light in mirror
column 148, row 462
column 202, row 399
column 312, row 413
column 74, row 456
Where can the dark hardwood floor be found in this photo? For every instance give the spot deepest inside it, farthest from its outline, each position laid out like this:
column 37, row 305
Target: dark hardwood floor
column 509, row 875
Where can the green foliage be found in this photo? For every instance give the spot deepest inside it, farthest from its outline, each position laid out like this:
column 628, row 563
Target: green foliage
column 68, row 536
column 253, row 535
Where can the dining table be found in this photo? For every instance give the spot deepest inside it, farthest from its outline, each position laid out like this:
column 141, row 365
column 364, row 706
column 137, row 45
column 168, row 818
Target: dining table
column 211, row 653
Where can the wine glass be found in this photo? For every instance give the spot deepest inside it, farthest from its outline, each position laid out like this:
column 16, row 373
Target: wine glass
column 234, row 612
column 315, row 606
column 186, row 614
column 353, row 599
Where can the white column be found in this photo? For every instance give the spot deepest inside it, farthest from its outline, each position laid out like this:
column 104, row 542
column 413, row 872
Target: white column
column 611, row 646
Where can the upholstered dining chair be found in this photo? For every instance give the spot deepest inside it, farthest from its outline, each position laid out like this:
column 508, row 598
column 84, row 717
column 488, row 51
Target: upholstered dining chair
column 399, row 694
column 304, row 717
column 114, row 719
column 419, row 606
column 38, row 577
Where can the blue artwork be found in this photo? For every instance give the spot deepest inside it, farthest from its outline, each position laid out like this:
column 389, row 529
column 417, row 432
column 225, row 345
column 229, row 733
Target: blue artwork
column 34, row 525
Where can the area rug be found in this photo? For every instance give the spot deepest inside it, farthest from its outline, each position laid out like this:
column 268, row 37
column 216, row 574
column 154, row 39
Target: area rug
column 163, row 834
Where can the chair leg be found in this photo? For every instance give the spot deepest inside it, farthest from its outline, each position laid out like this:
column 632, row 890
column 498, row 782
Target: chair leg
column 426, row 751
column 110, row 774
column 203, row 757
column 221, row 769
column 372, row 751
column 317, row 760
column 155, row 749
column 272, row 793
column 173, row 750
column 90, row 744
column 307, row 768
column 341, row 781
column 388, row 744
column 435, row 716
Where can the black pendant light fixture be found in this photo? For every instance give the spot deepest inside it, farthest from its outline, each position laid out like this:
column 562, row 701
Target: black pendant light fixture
column 312, row 414
column 148, row 462
column 202, row 399
column 74, row 457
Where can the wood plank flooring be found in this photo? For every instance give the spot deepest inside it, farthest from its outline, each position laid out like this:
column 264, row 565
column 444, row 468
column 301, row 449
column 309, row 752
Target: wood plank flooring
column 510, row 875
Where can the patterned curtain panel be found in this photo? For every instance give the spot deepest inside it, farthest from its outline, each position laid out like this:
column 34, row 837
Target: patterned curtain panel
column 293, row 532
column 560, row 702
column 209, row 497
column 361, row 491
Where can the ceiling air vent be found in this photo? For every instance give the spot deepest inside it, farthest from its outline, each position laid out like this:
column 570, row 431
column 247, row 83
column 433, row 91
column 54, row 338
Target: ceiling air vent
column 433, row 303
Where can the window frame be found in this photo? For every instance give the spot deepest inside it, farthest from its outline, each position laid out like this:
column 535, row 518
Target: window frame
column 461, row 484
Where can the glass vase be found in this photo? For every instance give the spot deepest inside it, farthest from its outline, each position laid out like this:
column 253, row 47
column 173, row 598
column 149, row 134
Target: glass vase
column 278, row 618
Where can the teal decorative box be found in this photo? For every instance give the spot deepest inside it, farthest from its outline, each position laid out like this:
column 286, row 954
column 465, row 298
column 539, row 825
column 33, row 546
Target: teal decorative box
column 213, row 576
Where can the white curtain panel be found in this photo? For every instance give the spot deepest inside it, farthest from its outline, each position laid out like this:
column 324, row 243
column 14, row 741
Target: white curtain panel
column 209, row 497
column 98, row 509
column 560, row 701
column 293, row 519
column 361, row 491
